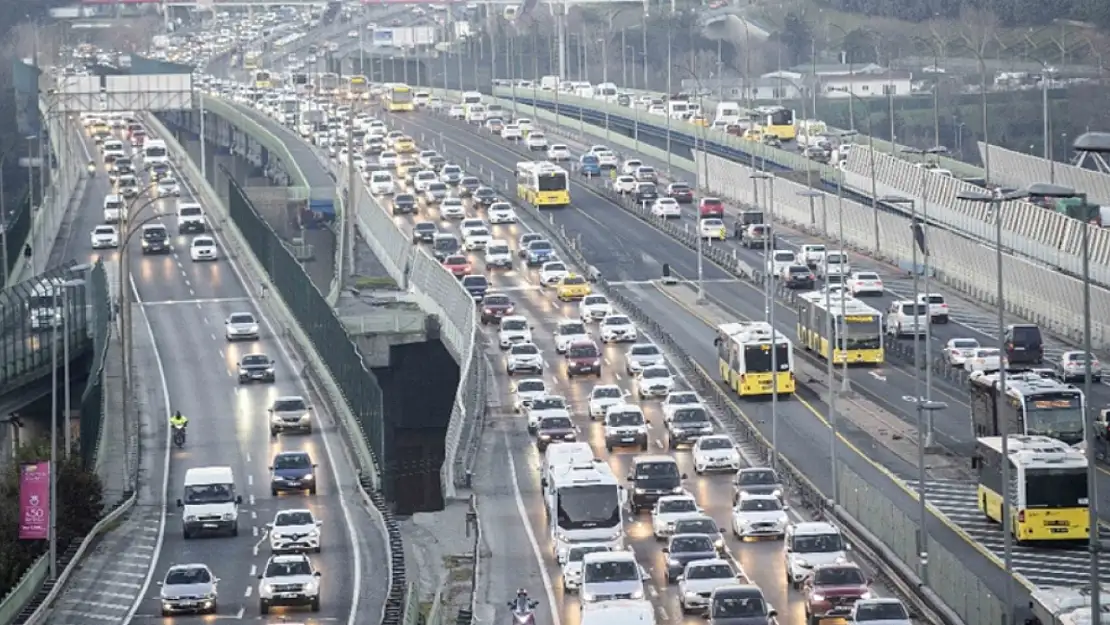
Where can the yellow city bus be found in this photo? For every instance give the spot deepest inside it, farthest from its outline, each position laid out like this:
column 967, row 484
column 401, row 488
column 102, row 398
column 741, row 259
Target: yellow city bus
column 398, row 99
column 777, row 121
column 262, row 79
column 860, row 324
column 358, row 88
column 542, row 184
column 1048, row 487
column 251, row 60
column 745, row 358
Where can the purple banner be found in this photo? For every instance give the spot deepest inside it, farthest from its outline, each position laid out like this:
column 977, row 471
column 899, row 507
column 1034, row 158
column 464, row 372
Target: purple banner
column 34, row 501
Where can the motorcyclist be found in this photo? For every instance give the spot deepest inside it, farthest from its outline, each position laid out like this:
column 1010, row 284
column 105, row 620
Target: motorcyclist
column 178, row 420
column 521, row 604
column 92, row 167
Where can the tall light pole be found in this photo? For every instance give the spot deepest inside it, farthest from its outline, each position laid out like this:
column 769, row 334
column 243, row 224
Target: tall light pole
column 769, row 298
column 67, row 406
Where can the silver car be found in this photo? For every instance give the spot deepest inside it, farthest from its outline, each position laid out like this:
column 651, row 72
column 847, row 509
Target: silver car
column 957, row 351
column 290, row 413
column 700, row 579
column 189, row 588
column 641, row 356
column 241, row 326
column 1072, row 366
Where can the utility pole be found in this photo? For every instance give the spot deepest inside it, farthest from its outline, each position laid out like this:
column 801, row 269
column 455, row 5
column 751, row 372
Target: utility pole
column 349, row 204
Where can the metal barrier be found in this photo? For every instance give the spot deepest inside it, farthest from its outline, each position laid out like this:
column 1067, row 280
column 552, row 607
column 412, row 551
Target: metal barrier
column 100, row 327
column 1016, row 169
column 960, row 588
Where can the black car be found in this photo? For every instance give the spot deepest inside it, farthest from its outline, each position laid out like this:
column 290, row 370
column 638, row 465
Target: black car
column 756, row 481
column 292, row 471
column 476, row 285
column 485, row 196
column 424, row 232
column 701, row 524
column 555, row 430
column 124, row 166
column 651, row 477
column 646, row 192
column 687, row 425
column 159, row 170
column 468, row 186
column 742, row 604
column 404, row 203
column 800, row 277
column 155, row 239
column 495, row 306
column 256, row 368
column 683, row 549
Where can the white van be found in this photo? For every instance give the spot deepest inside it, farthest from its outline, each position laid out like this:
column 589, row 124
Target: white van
column 565, row 455
column 113, row 208
column 621, row 612
column 727, row 113
column 155, row 151
column 209, row 504
column 471, row 97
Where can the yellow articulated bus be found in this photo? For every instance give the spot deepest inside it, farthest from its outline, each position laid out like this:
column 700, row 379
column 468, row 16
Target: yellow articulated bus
column 859, row 326
column 398, row 99
column 262, row 79
column 542, row 184
column 1048, row 487
column 748, row 363
column 777, row 121
column 252, row 60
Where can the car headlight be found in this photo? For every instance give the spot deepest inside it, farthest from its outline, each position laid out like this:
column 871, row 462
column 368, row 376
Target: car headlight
column 639, row 491
column 801, row 562
column 719, row 543
column 266, row 589
column 545, row 437
column 228, row 516
column 777, row 492
column 305, row 418
column 269, row 369
column 639, row 594
column 865, row 595
column 677, row 490
column 309, row 477
column 673, row 562
column 242, row 371
column 841, row 560
column 588, row 597
column 708, row 429
column 818, row 597
column 189, row 518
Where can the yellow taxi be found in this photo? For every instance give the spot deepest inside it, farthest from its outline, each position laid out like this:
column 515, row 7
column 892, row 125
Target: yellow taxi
column 100, row 130
column 571, row 287
column 404, row 144
column 699, row 120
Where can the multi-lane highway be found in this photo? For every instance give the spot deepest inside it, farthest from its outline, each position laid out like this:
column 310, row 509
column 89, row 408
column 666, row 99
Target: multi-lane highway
column 763, row 562
column 631, row 254
column 185, row 305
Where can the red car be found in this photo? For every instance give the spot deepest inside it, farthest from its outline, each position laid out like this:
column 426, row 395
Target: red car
column 711, row 207
column 681, row 192
column 833, row 589
column 458, row 265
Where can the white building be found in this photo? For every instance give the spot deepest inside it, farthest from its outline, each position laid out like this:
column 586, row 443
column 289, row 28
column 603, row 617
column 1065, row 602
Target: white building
column 864, row 81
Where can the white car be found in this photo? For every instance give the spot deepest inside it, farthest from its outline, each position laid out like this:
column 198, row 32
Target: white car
column 624, row 184
column 712, row 228
column 203, row 248
column 654, row 381
column 603, row 397
column 598, row 149
column 298, row 581
column 606, row 158
column 572, row 566
column 630, row 166
column 780, row 261
column 294, row 531
column 524, row 357
column 957, row 351
column 168, row 187
column 514, row 329
column 525, row 124
column 552, row 272
column 715, row 452
column 558, row 152
column 938, row 307
column 567, row 332
column 471, row 223
column 388, row 158
column 594, row 307
column 865, row 283
column 544, row 407
column 502, row 213
column 241, row 326
column 701, row 578
column 381, row 183
column 756, row 516
column 511, row 132
column 498, row 254
column 536, row 141
column 666, row 208
column 526, row 391
column 669, row 509
column 985, row 359
column 676, row 400
column 104, row 237
column 456, row 112
column 423, row 179
column 642, row 355
column 617, row 329
column 452, row 208
column 476, row 239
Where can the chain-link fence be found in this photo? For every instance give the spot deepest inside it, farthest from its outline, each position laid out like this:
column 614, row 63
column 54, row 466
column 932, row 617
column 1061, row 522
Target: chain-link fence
column 17, row 225
column 319, row 321
column 99, row 300
column 959, row 587
column 35, row 316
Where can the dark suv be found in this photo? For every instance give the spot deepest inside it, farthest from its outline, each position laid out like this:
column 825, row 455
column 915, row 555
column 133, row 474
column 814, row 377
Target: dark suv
column 799, row 277
column 833, row 590
column 652, row 477
column 1024, row 345
column 155, row 239
column 583, row 358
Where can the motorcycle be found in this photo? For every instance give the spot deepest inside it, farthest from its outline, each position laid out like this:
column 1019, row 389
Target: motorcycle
column 179, row 436
column 524, row 610
column 92, row 170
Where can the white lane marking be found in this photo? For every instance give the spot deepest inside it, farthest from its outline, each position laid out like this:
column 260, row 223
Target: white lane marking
column 240, row 613
column 198, row 302
column 522, row 511
column 250, row 480
column 248, row 591
column 254, row 571
column 166, row 462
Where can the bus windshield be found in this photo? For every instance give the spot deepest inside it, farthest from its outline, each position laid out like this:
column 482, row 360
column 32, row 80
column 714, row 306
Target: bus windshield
column 1056, row 415
column 589, row 506
column 552, row 182
column 1056, row 488
column 402, row 96
column 757, row 358
column 862, row 332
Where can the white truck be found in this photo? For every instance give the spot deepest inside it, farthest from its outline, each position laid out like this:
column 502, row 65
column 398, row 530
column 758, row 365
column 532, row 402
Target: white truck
column 190, row 218
column 727, row 113
column 113, row 208
column 835, row 266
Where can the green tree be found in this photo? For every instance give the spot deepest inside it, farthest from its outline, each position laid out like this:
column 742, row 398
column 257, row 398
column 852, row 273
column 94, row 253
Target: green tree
column 80, row 504
column 859, row 47
column 797, row 37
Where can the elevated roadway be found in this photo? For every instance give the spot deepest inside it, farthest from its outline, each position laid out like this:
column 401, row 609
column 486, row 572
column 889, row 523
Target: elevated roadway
column 631, row 253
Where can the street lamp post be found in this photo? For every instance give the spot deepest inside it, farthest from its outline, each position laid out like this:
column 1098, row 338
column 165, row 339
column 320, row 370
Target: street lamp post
column 67, row 405
column 769, row 303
